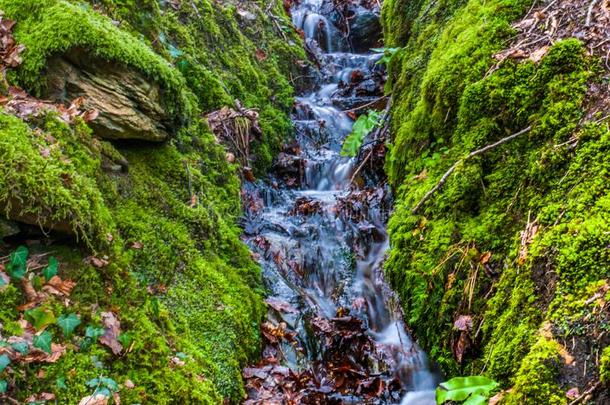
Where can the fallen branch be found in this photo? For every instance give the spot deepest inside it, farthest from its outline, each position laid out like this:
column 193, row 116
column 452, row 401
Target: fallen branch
column 590, row 13
column 448, row 173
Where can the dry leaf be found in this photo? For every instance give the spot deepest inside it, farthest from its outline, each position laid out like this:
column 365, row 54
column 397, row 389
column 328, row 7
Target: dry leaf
column 112, row 331
column 57, row 286
column 97, row 399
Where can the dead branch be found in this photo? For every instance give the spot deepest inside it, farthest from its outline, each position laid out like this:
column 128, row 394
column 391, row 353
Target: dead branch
column 590, row 13
column 448, row 173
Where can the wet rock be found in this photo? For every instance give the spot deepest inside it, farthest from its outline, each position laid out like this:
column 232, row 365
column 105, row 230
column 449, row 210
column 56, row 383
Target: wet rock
column 289, row 168
column 129, row 105
column 365, row 30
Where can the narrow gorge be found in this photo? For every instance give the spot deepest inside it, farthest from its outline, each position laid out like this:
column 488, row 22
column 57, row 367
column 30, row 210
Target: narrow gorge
column 304, row 202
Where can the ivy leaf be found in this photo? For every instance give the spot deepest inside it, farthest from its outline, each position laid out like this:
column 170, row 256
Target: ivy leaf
column 362, row 127
column 93, row 332
column 40, row 318
column 51, row 269
column 4, row 362
column 61, row 383
column 388, row 54
column 110, row 384
column 68, row 323
column 17, row 263
column 43, row 341
column 21, row 347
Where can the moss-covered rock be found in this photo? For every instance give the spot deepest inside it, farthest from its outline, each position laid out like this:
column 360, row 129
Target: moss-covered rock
column 159, row 218
column 515, row 238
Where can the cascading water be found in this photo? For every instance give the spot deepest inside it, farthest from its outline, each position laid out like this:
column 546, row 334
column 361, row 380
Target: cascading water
column 334, row 329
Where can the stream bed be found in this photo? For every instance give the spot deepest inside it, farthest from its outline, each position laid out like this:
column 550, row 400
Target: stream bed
column 334, row 332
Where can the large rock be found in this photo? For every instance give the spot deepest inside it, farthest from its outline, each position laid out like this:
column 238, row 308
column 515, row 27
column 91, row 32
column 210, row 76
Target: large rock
column 130, row 105
column 365, row 29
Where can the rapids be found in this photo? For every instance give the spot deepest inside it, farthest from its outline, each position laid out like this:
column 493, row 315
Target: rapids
column 321, row 262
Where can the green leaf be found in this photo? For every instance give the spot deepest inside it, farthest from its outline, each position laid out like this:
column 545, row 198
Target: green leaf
column 3, row 386
column 68, row 323
column 93, row 332
column 40, row 318
column 110, row 384
column 362, row 127
column 4, row 362
column 61, row 383
column 17, row 267
column 43, row 341
column 51, row 269
column 21, row 347
column 476, row 400
column 461, row 388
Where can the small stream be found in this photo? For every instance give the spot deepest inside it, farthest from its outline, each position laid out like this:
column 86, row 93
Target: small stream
column 334, row 331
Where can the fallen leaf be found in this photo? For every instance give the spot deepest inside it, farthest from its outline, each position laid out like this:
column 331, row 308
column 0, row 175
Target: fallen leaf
column 281, row 306
column 57, row 286
column 463, row 323
column 111, row 332
column 97, row 399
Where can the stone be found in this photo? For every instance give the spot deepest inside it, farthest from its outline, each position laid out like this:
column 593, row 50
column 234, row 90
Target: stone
column 130, row 106
column 365, row 30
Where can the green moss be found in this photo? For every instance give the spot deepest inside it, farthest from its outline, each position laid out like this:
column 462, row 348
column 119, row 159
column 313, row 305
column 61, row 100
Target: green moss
column 541, row 366
column 605, row 366
column 57, row 26
column 447, row 102
column 51, row 191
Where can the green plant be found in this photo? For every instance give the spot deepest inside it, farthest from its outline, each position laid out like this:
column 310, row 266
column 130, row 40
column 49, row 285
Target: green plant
column 473, row 390
column 362, row 127
column 388, row 55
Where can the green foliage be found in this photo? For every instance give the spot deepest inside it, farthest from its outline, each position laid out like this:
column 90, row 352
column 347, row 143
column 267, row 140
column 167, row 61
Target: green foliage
column 446, row 103
column 17, row 263
column 40, row 317
column 362, row 127
column 472, row 390
column 3, row 386
column 388, row 55
column 103, row 386
column 43, row 341
column 4, row 362
column 51, row 269
column 68, row 323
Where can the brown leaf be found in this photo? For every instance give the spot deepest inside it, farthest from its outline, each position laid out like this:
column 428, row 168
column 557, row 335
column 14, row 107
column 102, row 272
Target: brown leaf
column 538, row 54
column 112, row 331
column 485, row 258
column 97, row 262
column 281, row 306
column 463, row 323
column 260, row 55
column 97, row 399
column 136, row 245
column 58, row 286
column 90, row 115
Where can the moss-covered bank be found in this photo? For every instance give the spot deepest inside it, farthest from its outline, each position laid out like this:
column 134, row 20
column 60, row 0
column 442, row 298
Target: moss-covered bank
column 518, row 237
column 161, row 216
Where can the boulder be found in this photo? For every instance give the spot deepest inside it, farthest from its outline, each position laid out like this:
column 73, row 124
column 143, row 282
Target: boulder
column 130, row 106
column 365, row 30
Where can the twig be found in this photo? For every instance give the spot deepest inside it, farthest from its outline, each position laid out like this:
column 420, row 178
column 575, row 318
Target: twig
column 443, row 179
column 584, row 394
column 367, row 104
column 590, row 13
column 361, row 165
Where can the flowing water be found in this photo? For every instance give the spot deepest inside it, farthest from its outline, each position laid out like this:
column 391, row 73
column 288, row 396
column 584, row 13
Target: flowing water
column 334, row 330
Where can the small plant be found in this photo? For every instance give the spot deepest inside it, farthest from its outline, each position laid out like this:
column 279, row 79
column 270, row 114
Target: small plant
column 388, row 55
column 472, row 390
column 362, row 127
